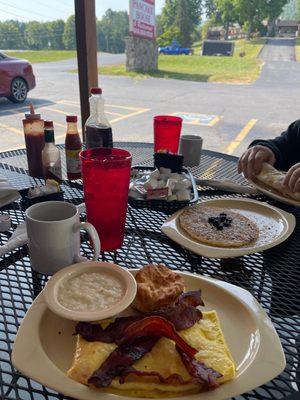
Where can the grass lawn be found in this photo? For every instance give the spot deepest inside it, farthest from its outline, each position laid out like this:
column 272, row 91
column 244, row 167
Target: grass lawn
column 43, row 55
column 297, row 49
column 234, row 69
column 251, row 48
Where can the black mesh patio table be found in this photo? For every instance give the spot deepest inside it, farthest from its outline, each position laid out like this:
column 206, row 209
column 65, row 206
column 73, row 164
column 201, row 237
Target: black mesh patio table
column 272, row 277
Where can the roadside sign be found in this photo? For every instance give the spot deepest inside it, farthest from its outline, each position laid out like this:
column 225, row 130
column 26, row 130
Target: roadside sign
column 217, row 48
column 198, row 119
column 142, row 18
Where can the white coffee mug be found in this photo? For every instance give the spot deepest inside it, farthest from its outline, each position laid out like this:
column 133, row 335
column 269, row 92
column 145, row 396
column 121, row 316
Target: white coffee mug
column 53, row 229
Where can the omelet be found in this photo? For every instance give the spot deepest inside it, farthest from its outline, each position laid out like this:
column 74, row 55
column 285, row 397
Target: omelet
column 206, row 336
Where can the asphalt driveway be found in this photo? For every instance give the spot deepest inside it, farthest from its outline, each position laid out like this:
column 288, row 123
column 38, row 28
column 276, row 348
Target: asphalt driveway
column 228, row 116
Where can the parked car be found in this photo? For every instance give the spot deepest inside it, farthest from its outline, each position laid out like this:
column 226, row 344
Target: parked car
column 16, row 78
column 175, row 49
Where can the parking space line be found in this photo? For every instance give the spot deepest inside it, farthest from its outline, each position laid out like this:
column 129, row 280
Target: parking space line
column 113, row 113
column 214, row 121
column 68, row 103
column 9, row 128
column 235, row 143
column 59, row 124
column 124, row 107
column 143, row 110
column 108, row 105
column 56, row 110
column 73, row 103
column 119, row 116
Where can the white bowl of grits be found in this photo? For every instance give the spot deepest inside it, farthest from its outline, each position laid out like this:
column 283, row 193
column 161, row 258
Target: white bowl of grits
column 90, row 291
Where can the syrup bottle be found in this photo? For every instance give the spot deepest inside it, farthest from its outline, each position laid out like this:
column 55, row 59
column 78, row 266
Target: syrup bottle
column 98, row 132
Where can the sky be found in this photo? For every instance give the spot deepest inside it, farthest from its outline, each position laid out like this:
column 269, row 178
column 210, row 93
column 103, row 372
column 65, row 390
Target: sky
column 47, row 10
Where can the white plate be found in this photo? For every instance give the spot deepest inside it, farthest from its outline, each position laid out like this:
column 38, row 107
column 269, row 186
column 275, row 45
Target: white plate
column 44, row 346
column 270, row 192
column 275, row 226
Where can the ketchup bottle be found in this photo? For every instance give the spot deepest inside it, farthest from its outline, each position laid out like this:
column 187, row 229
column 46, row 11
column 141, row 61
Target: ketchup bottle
column 73, row 147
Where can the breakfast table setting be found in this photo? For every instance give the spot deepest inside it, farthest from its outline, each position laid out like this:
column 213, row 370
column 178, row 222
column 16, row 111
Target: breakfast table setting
column 134, row 270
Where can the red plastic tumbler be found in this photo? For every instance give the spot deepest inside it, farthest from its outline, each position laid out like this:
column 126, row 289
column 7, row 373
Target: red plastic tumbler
column 106, row 176
column 167, row 130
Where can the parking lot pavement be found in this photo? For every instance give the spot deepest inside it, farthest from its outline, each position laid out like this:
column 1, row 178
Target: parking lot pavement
column 228, row 117
column 222, row 131
column 210, row 126
column 11, row 130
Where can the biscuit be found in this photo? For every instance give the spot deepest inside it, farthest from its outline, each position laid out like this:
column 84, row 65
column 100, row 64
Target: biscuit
column 157, row 287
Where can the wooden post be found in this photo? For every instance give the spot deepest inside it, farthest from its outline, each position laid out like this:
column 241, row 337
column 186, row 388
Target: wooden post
column 86, row 39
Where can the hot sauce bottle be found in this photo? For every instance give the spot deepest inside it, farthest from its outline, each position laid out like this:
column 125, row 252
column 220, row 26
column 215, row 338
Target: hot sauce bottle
column 35, row 141
column 73, row 147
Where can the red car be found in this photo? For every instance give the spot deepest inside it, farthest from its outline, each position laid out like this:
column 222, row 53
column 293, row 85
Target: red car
column 16, row 78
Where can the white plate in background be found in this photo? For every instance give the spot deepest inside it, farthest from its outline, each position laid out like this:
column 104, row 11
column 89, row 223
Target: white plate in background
column 275, row 226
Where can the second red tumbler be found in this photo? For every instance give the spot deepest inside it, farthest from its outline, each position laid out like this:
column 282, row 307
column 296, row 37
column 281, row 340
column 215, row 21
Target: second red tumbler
column 167, row 130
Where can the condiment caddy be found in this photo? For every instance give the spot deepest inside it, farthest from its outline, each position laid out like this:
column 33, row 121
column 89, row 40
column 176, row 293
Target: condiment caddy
column 165, row 203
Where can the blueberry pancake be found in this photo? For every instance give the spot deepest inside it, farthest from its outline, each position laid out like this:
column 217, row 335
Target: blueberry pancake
column 218, row 226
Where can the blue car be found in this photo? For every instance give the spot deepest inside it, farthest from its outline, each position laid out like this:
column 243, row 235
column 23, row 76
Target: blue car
column 175, row 49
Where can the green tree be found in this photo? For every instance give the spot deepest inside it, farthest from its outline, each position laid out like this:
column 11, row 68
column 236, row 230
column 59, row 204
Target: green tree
column 225, row 13
column 37, row 35
column 56, row 31
column 183, row 23
column 250, row 12
column 168, row 15
column 185, row 15
column 195, row 11
column 291, row 11
column 11, row 35
column 69, row 36
column 205, row 28
column 170, row 34
column 111, row 31
column 159, row 28
column 273, row 10
column 210, row 8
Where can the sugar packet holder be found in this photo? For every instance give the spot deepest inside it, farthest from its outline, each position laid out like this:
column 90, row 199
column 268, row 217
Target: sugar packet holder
column 162, row 204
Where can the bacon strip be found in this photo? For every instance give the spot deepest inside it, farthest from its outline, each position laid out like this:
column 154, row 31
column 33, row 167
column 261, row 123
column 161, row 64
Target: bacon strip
column 120, row 359
column 115, row 330
column 155, row 327
column 182, row 315
column 191, row 298
column 207, row 377
column 173, row 379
